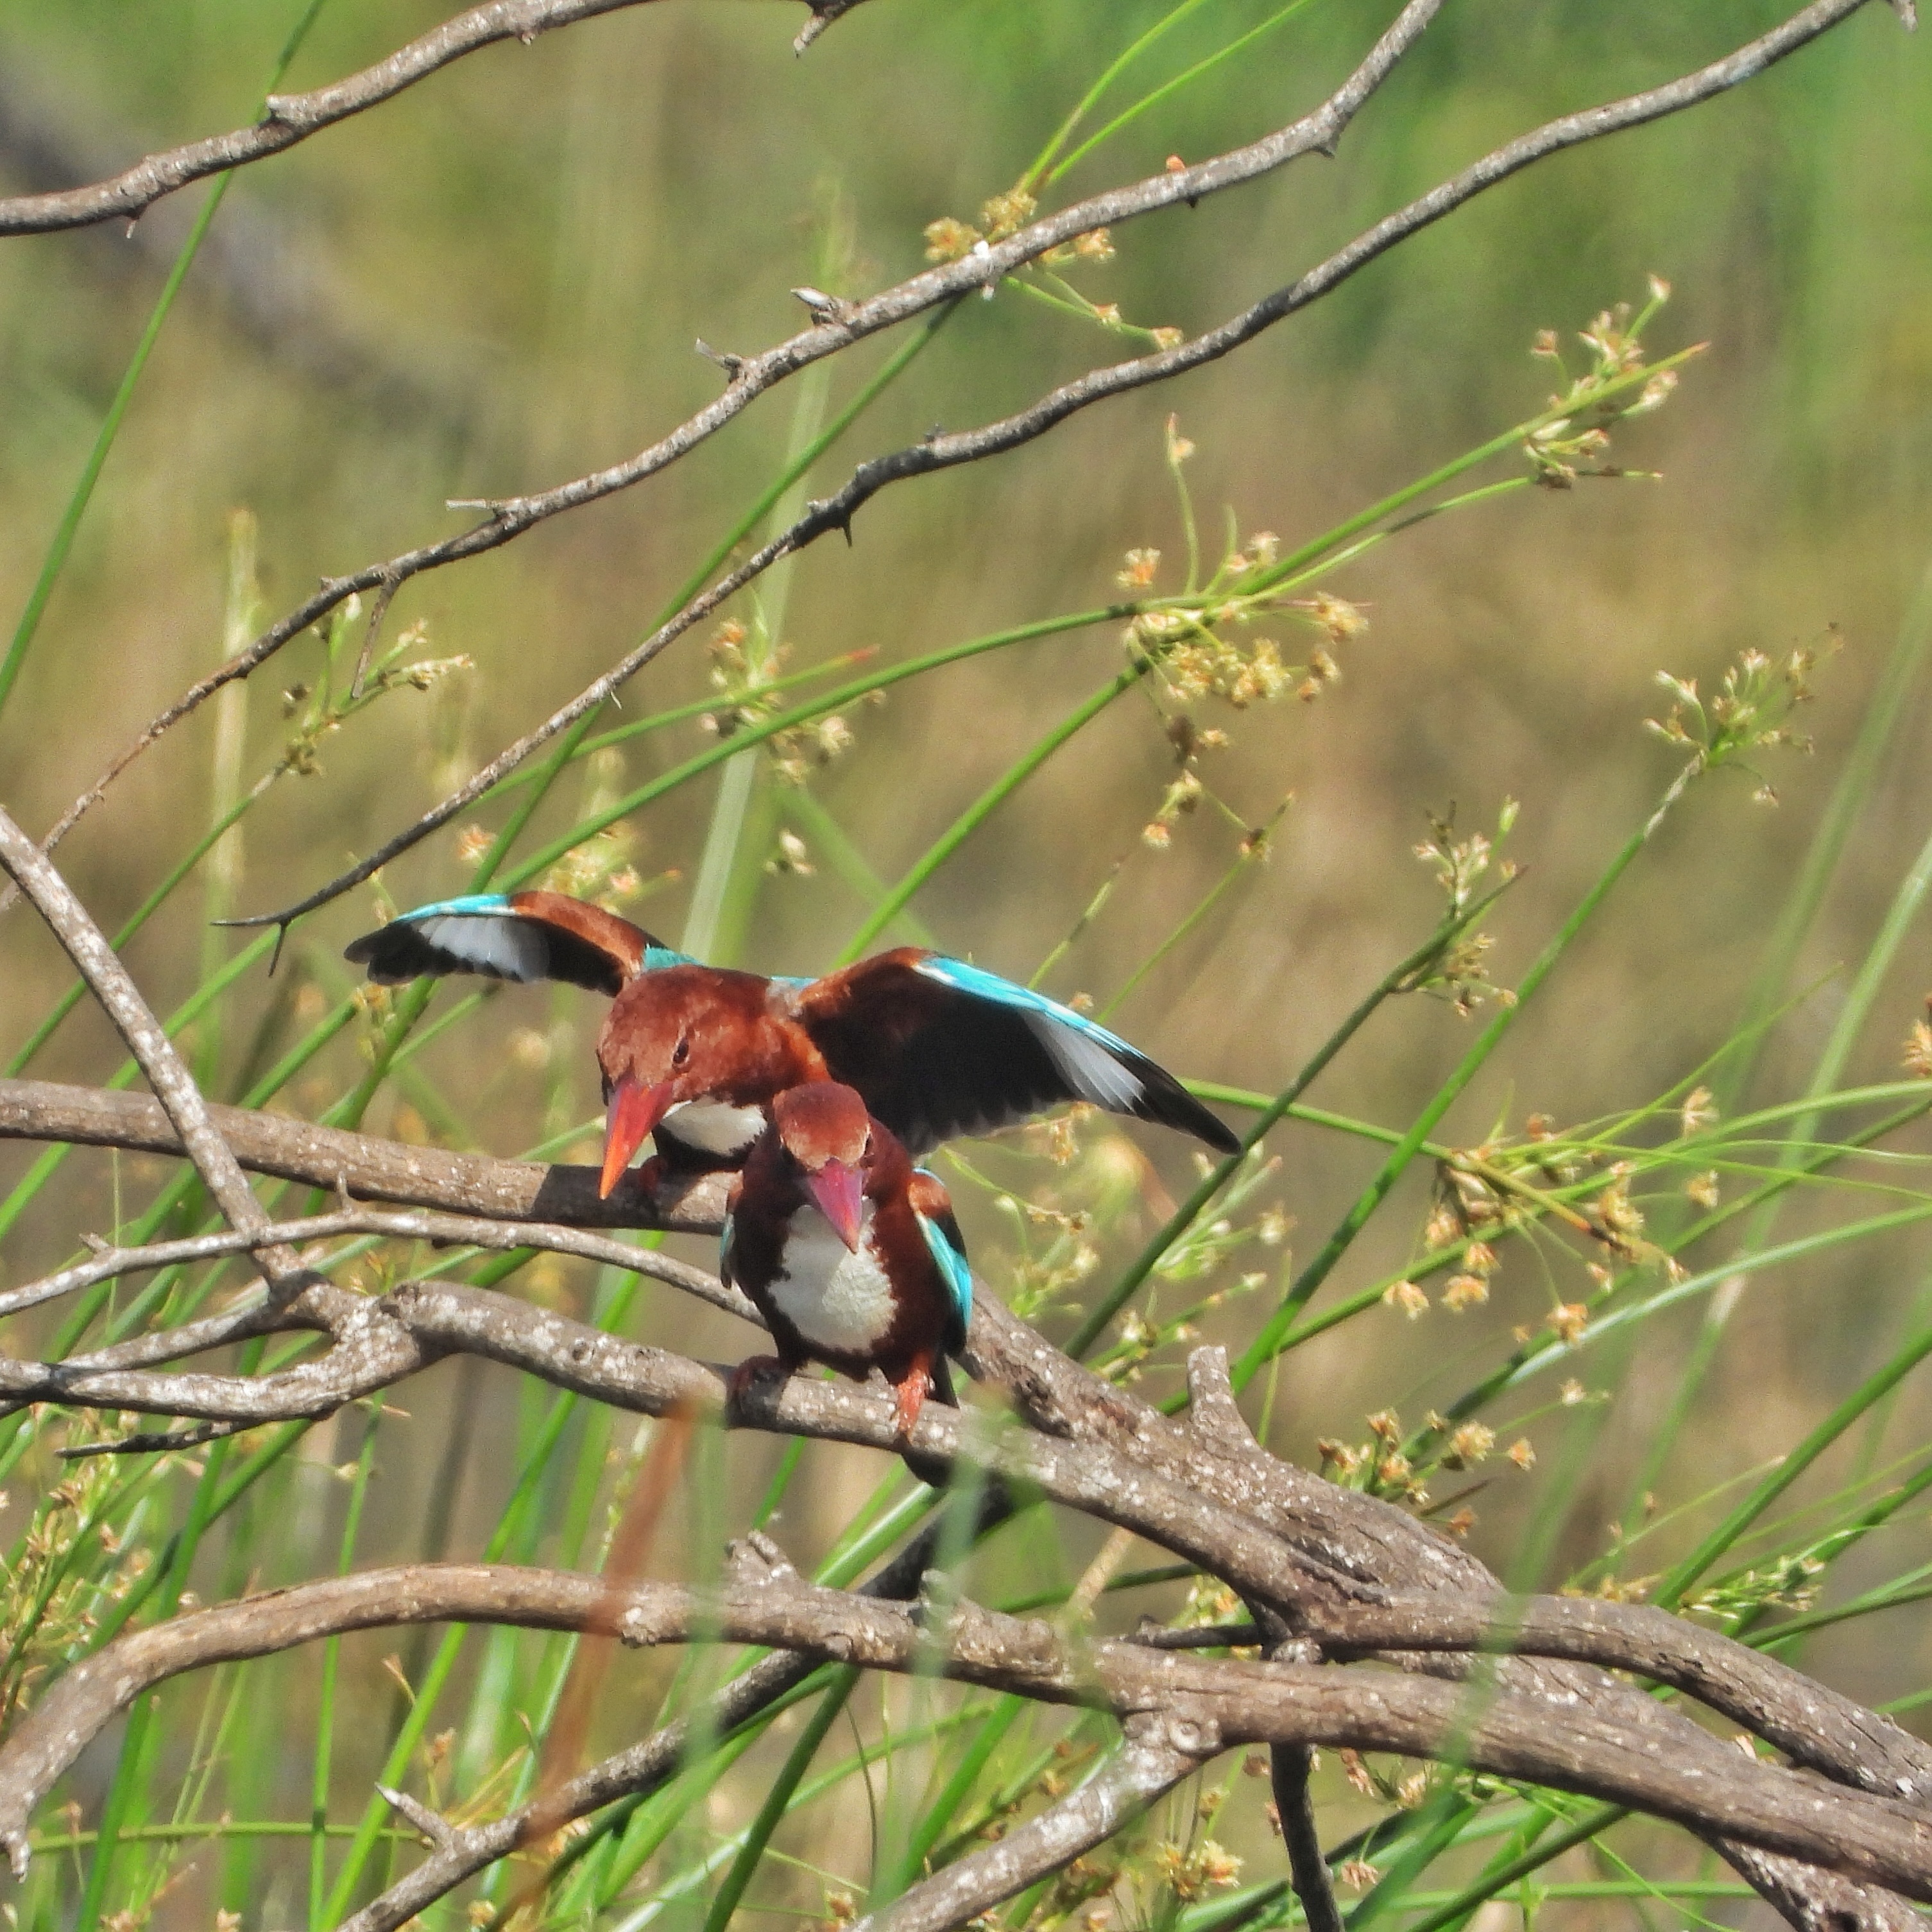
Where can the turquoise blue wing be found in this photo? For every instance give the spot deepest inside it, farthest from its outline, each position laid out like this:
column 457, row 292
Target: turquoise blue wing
column 948, row 1249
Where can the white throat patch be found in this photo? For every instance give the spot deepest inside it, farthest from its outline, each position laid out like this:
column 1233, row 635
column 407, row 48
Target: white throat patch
column 713, row 1127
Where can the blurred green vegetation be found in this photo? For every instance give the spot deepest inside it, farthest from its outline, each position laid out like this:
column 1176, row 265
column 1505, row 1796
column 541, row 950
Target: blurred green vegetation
column 493, row 283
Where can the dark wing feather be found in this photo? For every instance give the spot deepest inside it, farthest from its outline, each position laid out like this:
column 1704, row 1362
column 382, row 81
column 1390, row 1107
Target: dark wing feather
column 524, row 936
column 940, row 1048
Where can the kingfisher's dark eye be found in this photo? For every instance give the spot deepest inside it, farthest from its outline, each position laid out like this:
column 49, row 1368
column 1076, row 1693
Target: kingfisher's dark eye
column 680, row 1053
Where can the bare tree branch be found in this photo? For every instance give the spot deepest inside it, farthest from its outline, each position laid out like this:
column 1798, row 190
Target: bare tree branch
column 376, row 1342
column 147, row 1039
column 1204, row 1705
column 361, row 1166
column 944, row 451
column 1149, row 1764
column 824, row 12
column 835, row 328
column 445, row 1230
column 293, row 117
column 649, row 1764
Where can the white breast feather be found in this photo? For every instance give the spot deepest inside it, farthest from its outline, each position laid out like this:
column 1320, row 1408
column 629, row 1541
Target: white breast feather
column 714, row 1128
column 837, row 1299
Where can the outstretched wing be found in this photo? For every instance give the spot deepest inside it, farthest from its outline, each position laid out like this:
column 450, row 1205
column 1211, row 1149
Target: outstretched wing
column 940, row 1048
column 528, row 935
column 932, row 1208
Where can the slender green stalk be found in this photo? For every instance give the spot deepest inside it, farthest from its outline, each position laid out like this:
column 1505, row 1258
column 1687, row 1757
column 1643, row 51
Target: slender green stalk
column 126, row 1791
column 58, row 550
column 1791, row 1467
column 1253, row 848
column 1186, row 78
column 1311, row 1278
column 332, row 1657
column 777, row 1799
column 828, row 839
column 729, row 867
column 1036, row 175
column 1493, row 1883
column 1849, row 798
column 409, row 1735
column 982, row 808
column 1184, row 1216
column 1846, row 1029
column 844, row 694
column 574, row 742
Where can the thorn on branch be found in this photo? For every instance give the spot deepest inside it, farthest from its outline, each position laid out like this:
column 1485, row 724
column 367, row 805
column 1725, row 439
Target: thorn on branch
column 826, row 513
column 733, row 365
column 822, row 307
column 824, row 13
column 434, row 1828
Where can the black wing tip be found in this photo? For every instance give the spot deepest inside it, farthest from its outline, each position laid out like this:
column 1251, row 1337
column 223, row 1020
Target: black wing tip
column 1169, row 1104
column 387, row 954
column 394, row 954
column 1214, row 1131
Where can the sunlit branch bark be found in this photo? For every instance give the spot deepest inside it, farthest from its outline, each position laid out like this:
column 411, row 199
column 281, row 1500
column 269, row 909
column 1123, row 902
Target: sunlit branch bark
column 1147, row 1766
column 147, row 1039
column 1188, row 1708
column 361, row 1166
column 1347, row 1574
column 291, row 118
column 444, row 1230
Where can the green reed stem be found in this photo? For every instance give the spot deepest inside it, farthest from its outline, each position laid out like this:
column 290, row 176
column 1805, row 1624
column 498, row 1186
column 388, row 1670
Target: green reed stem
column 777, row 1799
column 1186, row 78
column 1791, row 1467
column 331, row 1658
column 982, row 808
column 1184, row 1216
column 1318, row 1271
column 55, row 560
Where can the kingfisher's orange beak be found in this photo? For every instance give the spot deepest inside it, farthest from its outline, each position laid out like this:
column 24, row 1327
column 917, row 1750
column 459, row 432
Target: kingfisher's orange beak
column 634, row 1110
column 840, row 1192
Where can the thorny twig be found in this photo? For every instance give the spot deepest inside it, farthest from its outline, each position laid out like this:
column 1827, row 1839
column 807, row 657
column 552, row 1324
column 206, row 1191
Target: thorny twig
column 750, row 377
column 291, row 118
column 945, row 450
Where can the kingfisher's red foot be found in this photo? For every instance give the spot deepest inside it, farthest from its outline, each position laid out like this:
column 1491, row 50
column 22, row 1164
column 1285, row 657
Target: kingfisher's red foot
column 909, row 1398
column 650, row 1174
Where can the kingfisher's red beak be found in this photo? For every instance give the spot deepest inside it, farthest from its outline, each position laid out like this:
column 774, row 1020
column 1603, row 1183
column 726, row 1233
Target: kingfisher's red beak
column 634, row 1110
column 840, row 1192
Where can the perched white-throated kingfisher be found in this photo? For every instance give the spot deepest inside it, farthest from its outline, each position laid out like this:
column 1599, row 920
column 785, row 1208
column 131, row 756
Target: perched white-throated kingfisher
column 850, row 1252
column 693, row 1054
